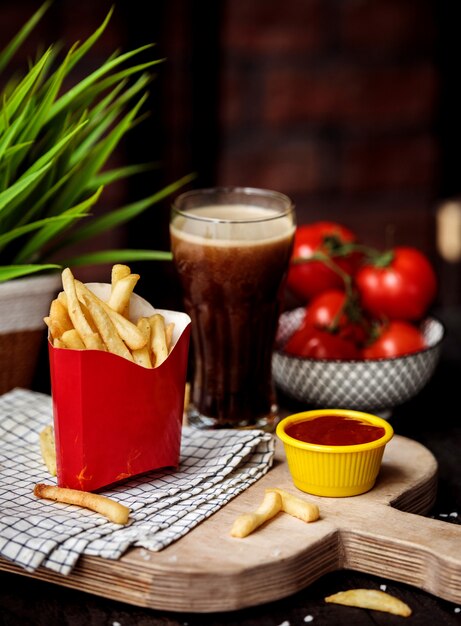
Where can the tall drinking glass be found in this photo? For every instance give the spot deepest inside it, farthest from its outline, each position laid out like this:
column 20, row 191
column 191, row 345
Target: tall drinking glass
column 231, row 248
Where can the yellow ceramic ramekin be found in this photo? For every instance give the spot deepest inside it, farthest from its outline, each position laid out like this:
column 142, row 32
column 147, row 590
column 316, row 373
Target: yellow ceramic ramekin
column 334, row 471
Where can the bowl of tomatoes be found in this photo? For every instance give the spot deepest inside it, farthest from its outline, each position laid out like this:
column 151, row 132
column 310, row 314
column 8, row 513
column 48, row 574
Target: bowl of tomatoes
column 366, row 342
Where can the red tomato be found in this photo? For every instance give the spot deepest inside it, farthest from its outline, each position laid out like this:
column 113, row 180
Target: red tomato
column 402, row 289
column 315, row 343
column 324, row 309
column 396, row 339
column 331, row 311
column 305, row 280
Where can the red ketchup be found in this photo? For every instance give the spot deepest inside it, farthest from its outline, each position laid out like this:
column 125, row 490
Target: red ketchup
column 334, row 430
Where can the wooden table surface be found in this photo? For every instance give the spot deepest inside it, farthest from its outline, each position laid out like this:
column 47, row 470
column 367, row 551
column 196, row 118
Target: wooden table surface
column 433, row 418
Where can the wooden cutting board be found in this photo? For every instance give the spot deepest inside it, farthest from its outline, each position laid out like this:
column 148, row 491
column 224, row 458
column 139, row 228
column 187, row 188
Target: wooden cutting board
column 381, row 532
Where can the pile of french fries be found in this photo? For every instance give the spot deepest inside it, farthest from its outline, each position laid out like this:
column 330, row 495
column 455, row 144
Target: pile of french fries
column 80, row 320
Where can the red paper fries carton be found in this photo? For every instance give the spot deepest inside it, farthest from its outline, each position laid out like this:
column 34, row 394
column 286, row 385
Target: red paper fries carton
column 113, row 418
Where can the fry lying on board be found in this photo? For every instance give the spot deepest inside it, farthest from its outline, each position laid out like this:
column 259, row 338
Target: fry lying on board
column 297, row 507
column 78, row 320
column 371, row 599
column 114, row 511
column 248, row 522
column 275, row 500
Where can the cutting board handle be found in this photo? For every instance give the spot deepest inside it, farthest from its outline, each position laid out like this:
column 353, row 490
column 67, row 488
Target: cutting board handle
column 405, row 547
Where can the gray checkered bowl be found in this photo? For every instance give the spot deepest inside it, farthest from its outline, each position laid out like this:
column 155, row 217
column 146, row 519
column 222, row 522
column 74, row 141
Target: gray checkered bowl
column 367, row 385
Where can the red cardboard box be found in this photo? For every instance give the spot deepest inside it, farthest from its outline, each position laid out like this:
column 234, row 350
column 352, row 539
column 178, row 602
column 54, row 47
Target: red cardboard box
column 113, row 418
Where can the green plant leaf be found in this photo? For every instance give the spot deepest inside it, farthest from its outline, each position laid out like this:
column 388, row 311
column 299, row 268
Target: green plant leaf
column 11, row 131
column 66, row 99
column 18, row 187
column 41, row 165
column 104, row 115
column 52, row 229
column 80, row 51
column 118, row 256
column 23, row 90
column 37, row 204
column 7, row 53
column 54, row 150
column 27, row 228
column 9, row 272
column 124, row 214
column 43, row 104
column 111, row 176
column 94, row 92
column 96, row 160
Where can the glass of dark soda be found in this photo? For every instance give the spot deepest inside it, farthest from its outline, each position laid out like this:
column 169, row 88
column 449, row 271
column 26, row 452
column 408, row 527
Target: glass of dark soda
column 231, row 249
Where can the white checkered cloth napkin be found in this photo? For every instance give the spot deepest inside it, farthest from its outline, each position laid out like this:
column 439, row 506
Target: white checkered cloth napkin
column 215, row 466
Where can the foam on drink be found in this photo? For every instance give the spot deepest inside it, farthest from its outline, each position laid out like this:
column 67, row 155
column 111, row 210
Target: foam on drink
column 233, row 225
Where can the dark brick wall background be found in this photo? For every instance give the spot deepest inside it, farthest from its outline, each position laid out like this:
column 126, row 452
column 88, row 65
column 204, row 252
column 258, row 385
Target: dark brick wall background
column 334, row 103
column 348, row 106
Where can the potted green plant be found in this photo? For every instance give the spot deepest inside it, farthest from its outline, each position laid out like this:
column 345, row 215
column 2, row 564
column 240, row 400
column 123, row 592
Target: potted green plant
column 55, row 143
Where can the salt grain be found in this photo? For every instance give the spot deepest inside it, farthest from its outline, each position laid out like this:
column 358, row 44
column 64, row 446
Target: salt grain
column 457, row 610
column 285, row 623
column 173, row 558
column 454, row 514
column 309, row 618
column 383, row 587
column 144, row 554
column 116, row 624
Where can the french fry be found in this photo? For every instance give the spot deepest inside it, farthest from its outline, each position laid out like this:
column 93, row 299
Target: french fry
column 186, row 395
column 53, row 332
column 58, row 310
column 142, row 356
column 185, row 416
column 245, row 524
column 128, row 331
column 121, row 293
column 158, row 339
column 58, row 320
column 118, row 272
column 91, row 339
column 87, row 315
column 59, row 343
column 114, row 511
column 169, row 329
column 297, row 507
column 47, row 448
column 105, row 327
column 371, row 599
column 62, row 298
column 144, row 327
column 72, row 340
